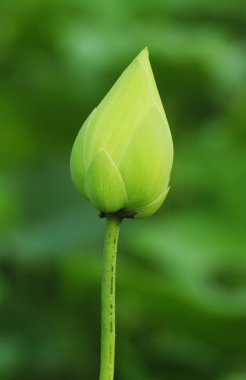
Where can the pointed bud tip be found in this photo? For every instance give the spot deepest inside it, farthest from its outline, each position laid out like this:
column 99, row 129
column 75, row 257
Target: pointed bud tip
column 144, row 54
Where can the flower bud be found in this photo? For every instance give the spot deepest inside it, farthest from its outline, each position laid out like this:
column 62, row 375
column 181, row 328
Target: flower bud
column 122, row 157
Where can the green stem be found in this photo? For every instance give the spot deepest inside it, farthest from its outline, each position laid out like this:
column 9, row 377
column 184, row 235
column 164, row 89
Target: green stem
column 108, row 298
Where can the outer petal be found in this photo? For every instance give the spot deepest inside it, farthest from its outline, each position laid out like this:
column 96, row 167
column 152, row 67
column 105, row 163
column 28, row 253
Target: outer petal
column 152, row 207
column 77, row 161
column 117, row 116
column 103, row 184
column 146, row 163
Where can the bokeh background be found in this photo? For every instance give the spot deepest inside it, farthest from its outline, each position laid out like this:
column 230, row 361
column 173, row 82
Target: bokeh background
column 181, row 281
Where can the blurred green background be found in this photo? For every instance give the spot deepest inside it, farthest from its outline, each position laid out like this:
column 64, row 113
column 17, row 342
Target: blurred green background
column 181, row 281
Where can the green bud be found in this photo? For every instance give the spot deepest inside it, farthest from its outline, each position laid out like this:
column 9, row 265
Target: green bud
column 122, row 157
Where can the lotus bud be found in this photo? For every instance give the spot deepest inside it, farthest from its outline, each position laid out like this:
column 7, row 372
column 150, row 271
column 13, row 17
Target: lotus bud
column 122, row 157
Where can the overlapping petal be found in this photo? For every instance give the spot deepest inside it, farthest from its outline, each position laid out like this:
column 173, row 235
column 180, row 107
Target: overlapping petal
column 104, row 185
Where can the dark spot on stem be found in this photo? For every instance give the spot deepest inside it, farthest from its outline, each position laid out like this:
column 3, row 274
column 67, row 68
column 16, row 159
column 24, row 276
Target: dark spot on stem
column 112, row 285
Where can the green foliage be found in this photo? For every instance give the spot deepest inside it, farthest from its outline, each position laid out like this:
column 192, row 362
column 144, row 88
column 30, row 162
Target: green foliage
column 181, row 309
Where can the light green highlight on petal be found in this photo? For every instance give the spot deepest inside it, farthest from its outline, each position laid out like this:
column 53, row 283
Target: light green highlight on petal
column 103, row 184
